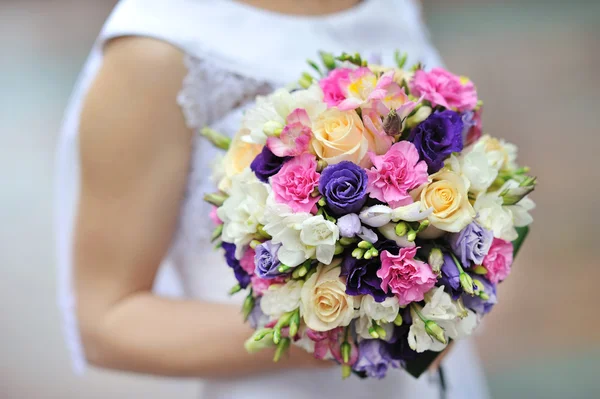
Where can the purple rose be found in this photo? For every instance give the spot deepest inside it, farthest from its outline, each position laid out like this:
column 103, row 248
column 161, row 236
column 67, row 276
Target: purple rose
column 374, row 358
column 437, row 137
column 267, row 164
column 471, row 244
column 450, row 277
column 242, row 277
column 266, row 260
column 478, row 304
column 344, row 186
column 362, row 273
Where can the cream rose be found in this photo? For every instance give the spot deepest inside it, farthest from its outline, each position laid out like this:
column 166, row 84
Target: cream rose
column 323, row 300
column 447, row 195
column 339, row 136
column 239, row 156
column 501, row 155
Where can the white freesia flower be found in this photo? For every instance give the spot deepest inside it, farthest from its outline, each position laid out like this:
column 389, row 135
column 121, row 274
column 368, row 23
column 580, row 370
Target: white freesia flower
column 500, row 154
column 270, row 113
column 321, row 235
column 281, row 298
column 389, row 232
column 476, row 168
column 384, row 312
column 380, row 215
column 443, row 311
column 302, row 236
column 520, row 212
column 244, row 210
column 495, row 217
column 324, row 302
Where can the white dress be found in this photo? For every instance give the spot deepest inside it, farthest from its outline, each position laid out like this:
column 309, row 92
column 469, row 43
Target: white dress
column 234, row 52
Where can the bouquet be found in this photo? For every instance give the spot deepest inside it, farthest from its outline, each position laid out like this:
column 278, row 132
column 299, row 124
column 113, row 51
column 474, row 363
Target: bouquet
column 366, row 215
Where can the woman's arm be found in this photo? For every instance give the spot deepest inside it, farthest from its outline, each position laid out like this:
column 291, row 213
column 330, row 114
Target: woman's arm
column 135, row 150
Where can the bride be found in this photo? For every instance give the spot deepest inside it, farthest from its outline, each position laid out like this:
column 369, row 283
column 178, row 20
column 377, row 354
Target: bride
column 141, row 288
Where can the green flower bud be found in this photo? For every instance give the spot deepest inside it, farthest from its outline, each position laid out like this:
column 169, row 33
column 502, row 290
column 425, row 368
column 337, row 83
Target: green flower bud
column 423, row 225
column 215, row 199
column 400, row 59
column 436, row 260
column 345, row 241
column 248, row 306
column 301, row 271
column 294, row 323
column 282, row 347
column 328, row 60
column 260, row 334
column 254, row 243
column 262, row 233
column 305, row 82
column 374, row 252
column 435, row 331
column 346, row 371
column 217, row 139
column 411, row 236
column 322, row 202
column 367, row 255
column 358, row 253
column 484, row 296
column 272, row 128
column 345, row 349
column 419, row 116
column 339, row 248
column 235, row 289
column 401, row 229
column 398, row 320
column 321, row 165
column 216, row 232
column 365, row 245
column 261, row 339
column 466, row 283
column 283, row 268
column 380, row 331
column 479, row 269
column 373, row 332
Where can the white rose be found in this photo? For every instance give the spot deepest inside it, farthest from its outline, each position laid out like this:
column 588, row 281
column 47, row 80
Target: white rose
column 324, row 302
column 244, row 210
column 320, row 234
column 500, row 154
column 281, row 298
column 495, row 217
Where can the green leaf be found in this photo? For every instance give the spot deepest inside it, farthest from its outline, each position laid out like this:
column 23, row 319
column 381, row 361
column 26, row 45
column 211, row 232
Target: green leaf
column 522, row 231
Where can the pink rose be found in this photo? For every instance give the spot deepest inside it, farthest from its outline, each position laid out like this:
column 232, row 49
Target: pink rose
column 440, row 87
column 395, row 173
column 260, row 285
column 498, row 260
column 406, row 277
column 295, row 137
column 332, row 86
column 247, row 261
column 296, row 181
column 214, row 217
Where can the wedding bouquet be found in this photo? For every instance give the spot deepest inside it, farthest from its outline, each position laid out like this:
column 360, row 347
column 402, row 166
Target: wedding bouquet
column 366, row 216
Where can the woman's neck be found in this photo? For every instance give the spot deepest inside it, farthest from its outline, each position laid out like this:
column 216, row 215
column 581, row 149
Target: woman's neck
column 303, row 7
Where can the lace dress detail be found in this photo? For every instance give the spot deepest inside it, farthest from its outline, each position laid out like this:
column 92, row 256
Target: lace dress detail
column 210, row 96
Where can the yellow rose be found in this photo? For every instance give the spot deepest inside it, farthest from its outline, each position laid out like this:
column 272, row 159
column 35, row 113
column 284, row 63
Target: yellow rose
column 447, row 195
column 324, row 303
column 339, row 136
column 239, row 156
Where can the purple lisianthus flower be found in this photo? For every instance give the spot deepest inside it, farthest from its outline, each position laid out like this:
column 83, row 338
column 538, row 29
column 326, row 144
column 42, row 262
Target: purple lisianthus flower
column 471, row 244
column 349, row 225
column 362, row 273
column 267, row 164
column 344, row 186
column 257, row 318
column 475, row 302
column 450, row 277
column 374, row 358
column 241, row 275
column 437, row 137
column 266, row 260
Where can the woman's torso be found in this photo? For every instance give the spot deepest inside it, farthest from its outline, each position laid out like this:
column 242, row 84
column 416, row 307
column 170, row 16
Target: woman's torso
column 234, row 52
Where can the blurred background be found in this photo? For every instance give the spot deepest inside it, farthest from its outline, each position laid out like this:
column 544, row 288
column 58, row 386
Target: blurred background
column 536, row 66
